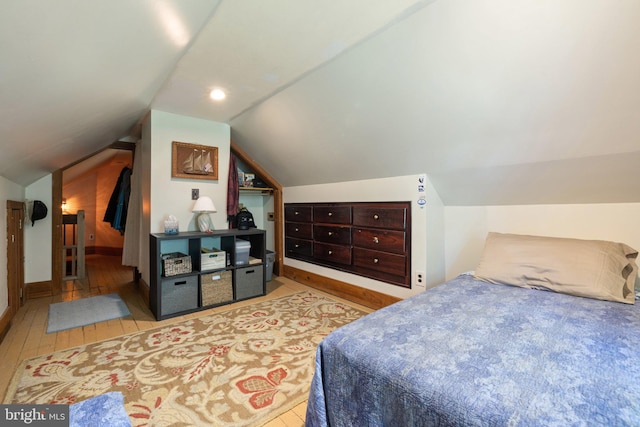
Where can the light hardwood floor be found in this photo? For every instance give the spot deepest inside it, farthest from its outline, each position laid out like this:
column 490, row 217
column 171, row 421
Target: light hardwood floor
column 27, row 335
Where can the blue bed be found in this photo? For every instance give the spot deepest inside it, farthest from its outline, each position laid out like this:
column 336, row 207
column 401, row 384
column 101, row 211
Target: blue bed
column 469, row 352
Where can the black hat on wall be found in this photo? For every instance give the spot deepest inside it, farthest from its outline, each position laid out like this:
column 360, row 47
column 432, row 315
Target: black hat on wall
column 39, row 211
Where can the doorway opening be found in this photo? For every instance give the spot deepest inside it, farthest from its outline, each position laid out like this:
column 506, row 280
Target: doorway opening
column 84, row 238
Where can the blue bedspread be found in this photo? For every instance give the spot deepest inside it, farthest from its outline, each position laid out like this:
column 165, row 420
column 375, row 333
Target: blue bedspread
column 473, row 353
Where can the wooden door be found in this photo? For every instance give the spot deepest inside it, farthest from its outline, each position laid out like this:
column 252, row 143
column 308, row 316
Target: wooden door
column 15, row 254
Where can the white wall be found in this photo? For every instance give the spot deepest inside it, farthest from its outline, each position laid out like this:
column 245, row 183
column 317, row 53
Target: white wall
column 466, row 227
column 37, row 238
column 163, row 195
column 172, row 196
column 427, row 226
column 8, row 191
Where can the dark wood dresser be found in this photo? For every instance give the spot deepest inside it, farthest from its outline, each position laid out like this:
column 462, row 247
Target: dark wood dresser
column 371, row 239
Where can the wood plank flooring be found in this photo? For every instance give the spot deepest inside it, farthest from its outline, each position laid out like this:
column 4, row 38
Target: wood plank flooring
column 27, row 335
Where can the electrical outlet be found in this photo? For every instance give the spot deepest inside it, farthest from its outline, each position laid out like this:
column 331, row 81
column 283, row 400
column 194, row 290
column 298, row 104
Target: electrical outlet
column 195, row 193
column 270, row 216
column 419, row 279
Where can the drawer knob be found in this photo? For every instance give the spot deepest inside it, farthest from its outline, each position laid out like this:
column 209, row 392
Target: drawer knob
column 330, row 233
column 297, row 246
column 330, row 252
column 297, row 229
column 297, row 213
column 330, row 213
column 376, row 216
column 376, row 240
column 376, row 260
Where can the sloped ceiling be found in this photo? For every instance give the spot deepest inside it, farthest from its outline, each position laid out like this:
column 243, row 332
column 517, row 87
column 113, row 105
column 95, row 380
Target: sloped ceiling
column 498, row 101
column 76, row 76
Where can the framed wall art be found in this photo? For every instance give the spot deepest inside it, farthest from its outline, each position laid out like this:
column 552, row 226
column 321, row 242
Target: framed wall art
column 194, row 161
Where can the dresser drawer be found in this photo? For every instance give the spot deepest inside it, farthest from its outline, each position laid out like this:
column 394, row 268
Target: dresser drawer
column 368, row 238
column 298, row 213
column 332, row 214
column 333, row 253
column 379, row 217
column 379, row 240
column 298, row 247
column 300, row 230
column 332, row 234
column 380, row 261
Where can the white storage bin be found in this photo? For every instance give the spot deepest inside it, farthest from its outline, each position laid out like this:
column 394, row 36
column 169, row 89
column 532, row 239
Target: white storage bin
column 213, row 259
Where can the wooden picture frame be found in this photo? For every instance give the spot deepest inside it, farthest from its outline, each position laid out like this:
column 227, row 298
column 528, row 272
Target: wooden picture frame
column 194, row 161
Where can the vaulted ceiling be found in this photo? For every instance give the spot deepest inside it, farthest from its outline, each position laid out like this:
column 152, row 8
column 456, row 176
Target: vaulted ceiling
column 498, row 101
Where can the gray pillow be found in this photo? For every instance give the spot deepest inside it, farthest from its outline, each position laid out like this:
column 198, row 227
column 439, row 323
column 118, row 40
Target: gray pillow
column 587, row 268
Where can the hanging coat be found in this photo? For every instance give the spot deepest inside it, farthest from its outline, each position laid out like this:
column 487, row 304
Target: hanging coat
column 116, row 213
column 233, row 191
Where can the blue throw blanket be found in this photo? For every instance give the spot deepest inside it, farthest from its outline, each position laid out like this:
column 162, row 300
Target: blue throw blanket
column 105, row 410
column 473, row 353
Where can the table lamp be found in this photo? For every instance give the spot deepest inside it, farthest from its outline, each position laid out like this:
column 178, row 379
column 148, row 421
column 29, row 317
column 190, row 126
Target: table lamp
column 204, row 206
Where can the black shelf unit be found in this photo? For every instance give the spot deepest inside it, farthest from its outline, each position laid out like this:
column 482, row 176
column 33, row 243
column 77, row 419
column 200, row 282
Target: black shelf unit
column 171, row 296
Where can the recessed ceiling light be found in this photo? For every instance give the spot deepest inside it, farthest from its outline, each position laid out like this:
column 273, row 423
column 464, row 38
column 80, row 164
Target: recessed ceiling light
column 217, row 94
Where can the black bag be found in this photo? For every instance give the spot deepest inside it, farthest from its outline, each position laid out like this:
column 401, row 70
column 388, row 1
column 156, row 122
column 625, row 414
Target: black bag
column 244, row 220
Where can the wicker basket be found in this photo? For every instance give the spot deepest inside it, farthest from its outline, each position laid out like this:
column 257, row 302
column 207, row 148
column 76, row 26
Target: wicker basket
column 175, row 263
column 216, row 287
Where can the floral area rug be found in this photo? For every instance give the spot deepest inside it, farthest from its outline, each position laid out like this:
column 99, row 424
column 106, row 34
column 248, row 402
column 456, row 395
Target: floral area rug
column 239, row 367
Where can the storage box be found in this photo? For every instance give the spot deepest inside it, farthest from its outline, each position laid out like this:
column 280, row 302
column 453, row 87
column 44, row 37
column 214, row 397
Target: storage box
column 271, row 258
column 179, row 294
column 242, row 251
column 216, row 287
column 175, row 263
column 249, row 282
column 212, row 259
